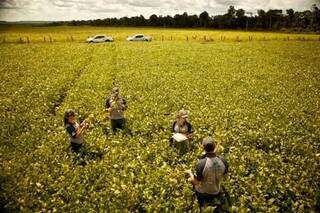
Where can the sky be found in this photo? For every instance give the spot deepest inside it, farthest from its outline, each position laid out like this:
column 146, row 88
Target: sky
column 64, row 10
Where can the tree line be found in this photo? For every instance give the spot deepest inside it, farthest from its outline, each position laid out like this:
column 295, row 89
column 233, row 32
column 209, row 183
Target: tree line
column 273, row 19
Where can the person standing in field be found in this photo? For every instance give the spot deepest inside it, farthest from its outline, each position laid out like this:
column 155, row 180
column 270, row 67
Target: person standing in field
column 116, row 105
column 74, row 130
column 182, row 131
column 210, row 171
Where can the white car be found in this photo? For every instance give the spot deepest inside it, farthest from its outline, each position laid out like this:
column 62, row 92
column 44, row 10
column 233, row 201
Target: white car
column 139, row 37
column 99, row 39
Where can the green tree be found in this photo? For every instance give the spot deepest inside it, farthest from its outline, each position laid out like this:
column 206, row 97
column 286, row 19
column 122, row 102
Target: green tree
column 315, row 17
column 153, row 20
column 204, row 19
column 290, row 18
column 275, row 18
column 241, row 18
column 262, row 19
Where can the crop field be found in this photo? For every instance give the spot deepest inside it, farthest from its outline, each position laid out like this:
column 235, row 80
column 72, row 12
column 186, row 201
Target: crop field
column 260, row 99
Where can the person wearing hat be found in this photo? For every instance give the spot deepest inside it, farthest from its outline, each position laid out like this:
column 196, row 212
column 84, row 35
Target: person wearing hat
column 210, row 170
column 183, row 128
column 116, row 105
column 181, row 125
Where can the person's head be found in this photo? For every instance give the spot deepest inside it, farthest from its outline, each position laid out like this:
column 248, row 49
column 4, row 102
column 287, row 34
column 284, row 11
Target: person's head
column 69, row 117
column 182, row 116
column 208, row 144
column 115, row 91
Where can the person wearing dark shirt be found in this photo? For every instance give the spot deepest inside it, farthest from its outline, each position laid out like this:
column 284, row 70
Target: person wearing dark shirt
column 183, row 127
column 74, row 130
column 116, row 105
column 210, row 170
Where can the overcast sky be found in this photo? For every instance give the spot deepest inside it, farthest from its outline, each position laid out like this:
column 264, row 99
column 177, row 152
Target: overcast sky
column 55, row 10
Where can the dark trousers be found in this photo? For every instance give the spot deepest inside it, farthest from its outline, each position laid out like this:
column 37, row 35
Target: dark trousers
column 204, row 198
column 75, row 147
column 221, row 201
column 118, row 124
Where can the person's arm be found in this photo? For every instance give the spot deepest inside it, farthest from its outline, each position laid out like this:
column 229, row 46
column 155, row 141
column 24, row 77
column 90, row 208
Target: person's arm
column 195, row 180
column 190, row 131
column 80, row 131
column 72, row 132
column 124, row 104
column 199, row 169
column 108, row 106
column 82, row 127
column 225, row 164
column 191, row 178
column 174, row 124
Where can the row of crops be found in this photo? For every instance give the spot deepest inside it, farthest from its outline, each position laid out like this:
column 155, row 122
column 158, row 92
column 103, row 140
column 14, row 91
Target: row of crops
column 261, row 100
column 80, row 34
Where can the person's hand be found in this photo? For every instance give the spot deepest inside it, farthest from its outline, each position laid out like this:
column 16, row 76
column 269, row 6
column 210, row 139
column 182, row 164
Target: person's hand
column 189, row 172
column 189, row 136
column 191, row 176
column 84, row 125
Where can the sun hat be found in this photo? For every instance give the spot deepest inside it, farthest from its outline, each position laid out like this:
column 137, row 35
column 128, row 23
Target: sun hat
column 183, row 113
column 115, row 90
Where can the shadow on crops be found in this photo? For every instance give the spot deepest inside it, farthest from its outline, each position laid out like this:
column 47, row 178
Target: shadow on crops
column 85, row 156
column 3, row 200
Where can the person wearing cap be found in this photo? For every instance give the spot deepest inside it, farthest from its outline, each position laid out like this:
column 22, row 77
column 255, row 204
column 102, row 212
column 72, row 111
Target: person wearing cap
column 116, row 105
column 182, row 126
column 210, row 170
column 74, row 130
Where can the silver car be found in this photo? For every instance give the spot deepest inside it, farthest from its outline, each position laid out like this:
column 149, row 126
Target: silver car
column 99, row 39
column 139, row 37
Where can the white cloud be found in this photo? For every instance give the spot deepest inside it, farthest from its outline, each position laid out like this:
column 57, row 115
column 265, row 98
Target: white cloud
column 22, row 10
